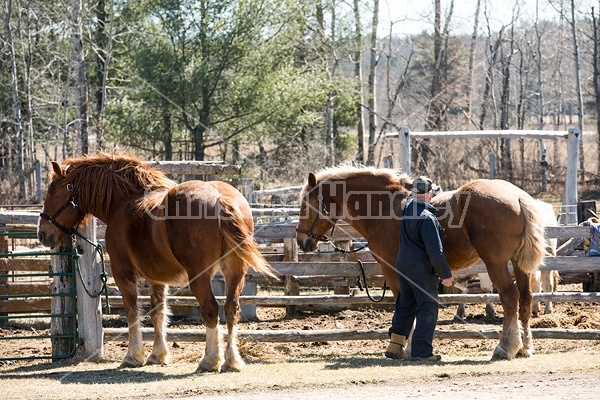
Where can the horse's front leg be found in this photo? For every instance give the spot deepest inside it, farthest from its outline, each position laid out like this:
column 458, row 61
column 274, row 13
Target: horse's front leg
column 525, row 305
column 159, row 317
column 135, row 350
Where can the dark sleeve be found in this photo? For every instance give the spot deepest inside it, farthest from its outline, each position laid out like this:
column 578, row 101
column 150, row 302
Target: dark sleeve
column 430, row 234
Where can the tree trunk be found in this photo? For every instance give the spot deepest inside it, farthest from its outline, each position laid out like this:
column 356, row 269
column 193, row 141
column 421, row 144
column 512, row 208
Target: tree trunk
column 329, row 107
column 579, row 94
column 360, row 154
column 371, row 83
column 101, row 43
column 469, row 100
column 167, row 133
column 82, row 98
column 198, row 137
column 596, row 64
column 507, row 164
column 489, row 79
column 538, row 58
column 16, row 103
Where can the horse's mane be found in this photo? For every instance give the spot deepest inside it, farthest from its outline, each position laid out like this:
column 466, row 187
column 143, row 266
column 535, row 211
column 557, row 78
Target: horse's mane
column 343, row 172
column 110, row 175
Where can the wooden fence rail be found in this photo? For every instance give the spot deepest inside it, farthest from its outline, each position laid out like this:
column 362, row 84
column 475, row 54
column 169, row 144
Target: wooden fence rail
column 348, row 300
column 323, row 335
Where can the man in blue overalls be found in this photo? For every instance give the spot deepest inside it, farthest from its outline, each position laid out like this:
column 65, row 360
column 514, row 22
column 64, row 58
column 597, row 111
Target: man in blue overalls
column 420, row 264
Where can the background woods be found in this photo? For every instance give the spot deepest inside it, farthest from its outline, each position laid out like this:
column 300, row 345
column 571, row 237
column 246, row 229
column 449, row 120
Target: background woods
column 283, row 87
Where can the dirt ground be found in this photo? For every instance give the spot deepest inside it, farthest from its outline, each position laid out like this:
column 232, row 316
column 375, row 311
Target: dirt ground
column 561, row 368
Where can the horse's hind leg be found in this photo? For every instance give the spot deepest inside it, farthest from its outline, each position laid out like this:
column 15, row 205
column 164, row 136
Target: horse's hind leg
column 159, row 317
column 135, row 350
column 525, row 304
column 510, row 339
column 234, row 271
column 212, row 359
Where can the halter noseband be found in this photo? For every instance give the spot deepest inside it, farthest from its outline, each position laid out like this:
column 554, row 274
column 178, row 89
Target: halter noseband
column 309, row 232
column 52, row 218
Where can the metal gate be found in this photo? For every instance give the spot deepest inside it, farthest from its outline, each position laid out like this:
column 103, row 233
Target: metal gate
column 21, row 297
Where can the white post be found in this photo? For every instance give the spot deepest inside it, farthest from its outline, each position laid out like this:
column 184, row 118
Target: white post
column 570, row 196
column 89, row 310
column 404, row 150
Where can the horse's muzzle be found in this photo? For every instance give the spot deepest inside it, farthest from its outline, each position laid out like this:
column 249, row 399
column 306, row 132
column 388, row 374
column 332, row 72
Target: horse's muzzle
column 307, row 244
column 48, row 240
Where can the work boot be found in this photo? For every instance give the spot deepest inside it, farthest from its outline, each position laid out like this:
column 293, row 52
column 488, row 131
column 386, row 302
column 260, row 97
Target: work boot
column 431, row 358
column 397, row 347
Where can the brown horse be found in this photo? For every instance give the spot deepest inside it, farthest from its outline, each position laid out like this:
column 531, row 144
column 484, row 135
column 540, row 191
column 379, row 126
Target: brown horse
column 168, row 233
column 489, row 220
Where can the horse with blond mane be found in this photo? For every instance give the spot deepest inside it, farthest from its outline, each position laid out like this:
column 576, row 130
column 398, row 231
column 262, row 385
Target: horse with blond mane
column 488, row 220
column 167, row 233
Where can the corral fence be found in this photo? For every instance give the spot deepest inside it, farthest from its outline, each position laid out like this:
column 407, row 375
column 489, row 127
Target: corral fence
column 337, row 269
column 25, row 289
column 278, row 241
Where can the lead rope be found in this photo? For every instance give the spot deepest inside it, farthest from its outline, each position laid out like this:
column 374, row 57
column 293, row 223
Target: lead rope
column 103, row 275
column 366, row 287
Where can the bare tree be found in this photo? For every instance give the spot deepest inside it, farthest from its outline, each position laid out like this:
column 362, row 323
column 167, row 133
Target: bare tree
column 360, row 127
column 102, row 51
column 16, row 102
column 505, row 144
column 371, row 84
column 578, row 89
column 596, row 64
column 472, row 48
column 82, row 98
column 537, row 55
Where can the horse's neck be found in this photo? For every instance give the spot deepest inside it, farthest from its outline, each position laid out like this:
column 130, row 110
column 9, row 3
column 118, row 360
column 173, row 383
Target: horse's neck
column 102, row 213
column 361, row 219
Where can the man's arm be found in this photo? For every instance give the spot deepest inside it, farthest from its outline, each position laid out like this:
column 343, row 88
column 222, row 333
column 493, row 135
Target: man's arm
column 435, row 250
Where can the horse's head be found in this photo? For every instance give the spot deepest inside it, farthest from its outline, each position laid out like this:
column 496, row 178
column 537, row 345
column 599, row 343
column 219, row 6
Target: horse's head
column 314, row 220
column 60, row 215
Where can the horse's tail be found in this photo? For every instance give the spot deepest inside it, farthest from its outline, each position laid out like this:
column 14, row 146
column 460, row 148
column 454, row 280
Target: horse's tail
column 532, row 248
column 239, row 237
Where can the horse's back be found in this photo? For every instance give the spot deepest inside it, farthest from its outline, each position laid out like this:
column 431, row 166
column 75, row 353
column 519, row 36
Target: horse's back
column 483, row 219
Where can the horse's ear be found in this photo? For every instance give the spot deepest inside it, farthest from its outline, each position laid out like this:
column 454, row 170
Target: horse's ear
column 312, row 180
column 57, row 169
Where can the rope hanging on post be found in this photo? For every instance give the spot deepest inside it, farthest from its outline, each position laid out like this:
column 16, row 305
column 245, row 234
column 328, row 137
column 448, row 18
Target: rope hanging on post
column 103, row 275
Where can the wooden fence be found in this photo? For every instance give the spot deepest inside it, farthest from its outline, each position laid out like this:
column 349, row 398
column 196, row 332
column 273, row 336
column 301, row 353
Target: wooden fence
column 339, row 270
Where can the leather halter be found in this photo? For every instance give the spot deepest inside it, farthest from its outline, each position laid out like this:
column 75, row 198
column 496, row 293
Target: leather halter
column 70, row 201
column 309, row 232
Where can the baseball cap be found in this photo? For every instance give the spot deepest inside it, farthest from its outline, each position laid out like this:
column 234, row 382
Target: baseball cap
column 421, row 185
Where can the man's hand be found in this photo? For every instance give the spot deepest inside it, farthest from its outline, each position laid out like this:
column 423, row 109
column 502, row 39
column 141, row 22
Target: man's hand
column 448, row 282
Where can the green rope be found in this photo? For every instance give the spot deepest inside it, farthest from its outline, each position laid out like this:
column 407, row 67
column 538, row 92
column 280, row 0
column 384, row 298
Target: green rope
column 103, row 275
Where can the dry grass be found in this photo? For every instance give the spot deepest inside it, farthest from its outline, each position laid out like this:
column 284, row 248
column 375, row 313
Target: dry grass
column 94, row 381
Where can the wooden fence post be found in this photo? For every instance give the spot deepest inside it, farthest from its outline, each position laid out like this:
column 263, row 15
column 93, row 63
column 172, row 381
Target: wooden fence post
column 570, row 196
column 64, row 304
column 3, row 270
column 89, row 309
column 291, row 283
column 404, row 150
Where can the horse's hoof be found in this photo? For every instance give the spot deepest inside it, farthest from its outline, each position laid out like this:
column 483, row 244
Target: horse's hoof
column 524, row 353
column 203, row 370
column 208, row 367
column 130, row 362
column 230, row 368
column 501, row 354
column 157, row 360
